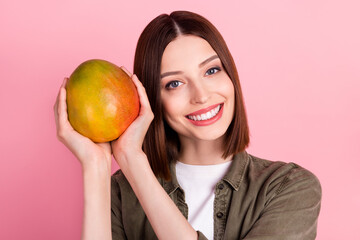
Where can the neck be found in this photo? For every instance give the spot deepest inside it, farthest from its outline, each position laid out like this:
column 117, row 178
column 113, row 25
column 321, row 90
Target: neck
column 202, row 152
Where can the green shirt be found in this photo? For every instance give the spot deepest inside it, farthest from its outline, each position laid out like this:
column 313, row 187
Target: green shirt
column 256, row 199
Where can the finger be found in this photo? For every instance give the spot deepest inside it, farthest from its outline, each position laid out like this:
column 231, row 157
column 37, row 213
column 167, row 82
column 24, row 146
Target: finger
column 125, row 70
column 62, row 107
column 144, row 101
column 143, row 98
column 56, row 105
column 64, row 82
column 56, row 109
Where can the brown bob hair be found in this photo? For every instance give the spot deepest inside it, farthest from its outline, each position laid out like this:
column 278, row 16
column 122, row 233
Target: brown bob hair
column 161, row 143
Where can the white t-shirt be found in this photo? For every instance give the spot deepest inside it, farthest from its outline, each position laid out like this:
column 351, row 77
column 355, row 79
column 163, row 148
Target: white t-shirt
column 198, row 183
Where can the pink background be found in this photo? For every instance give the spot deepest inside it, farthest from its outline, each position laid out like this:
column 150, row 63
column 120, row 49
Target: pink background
column 299, row 68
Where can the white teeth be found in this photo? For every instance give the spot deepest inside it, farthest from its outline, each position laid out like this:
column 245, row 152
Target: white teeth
column 217, row 109
column 208, row 115
column 205, row 116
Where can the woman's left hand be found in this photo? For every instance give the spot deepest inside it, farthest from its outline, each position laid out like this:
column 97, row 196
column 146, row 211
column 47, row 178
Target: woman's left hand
column 129, row 144
column 157, row 205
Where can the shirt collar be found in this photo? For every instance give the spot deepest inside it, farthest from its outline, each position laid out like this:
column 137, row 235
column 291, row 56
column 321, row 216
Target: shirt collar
column 172, row 185
column 236, row 173
column 234, row 176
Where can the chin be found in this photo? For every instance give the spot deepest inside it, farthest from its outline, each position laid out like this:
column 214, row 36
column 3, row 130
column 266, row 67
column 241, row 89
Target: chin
column 210, row 136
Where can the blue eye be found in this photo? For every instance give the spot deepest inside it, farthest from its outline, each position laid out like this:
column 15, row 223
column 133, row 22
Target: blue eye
column 173, row 84
column 212, row 71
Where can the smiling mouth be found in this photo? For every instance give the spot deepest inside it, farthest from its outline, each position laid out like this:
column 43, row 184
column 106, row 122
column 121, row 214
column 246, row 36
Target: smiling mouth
column 206, row 115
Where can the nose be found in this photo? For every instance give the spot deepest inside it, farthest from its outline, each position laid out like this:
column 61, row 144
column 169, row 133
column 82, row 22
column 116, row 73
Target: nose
column 199, row 94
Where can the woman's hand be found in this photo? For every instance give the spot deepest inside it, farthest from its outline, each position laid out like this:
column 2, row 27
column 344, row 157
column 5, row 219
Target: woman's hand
column 83, row 148
column 129, row 144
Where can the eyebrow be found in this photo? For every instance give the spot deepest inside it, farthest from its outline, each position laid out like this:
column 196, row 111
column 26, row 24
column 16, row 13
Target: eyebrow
column 208, row 60
column 200, row 65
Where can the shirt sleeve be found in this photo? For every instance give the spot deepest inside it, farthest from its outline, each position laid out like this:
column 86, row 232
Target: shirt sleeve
column 292, row 212
column 117, row 227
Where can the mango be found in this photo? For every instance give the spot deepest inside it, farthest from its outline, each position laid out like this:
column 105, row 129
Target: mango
column 102, row 100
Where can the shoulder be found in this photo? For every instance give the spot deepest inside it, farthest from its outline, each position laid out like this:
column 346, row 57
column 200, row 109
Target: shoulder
column 121, row 189
column 284, row 199
column 118, row 176
column 117, row 179
column 123, row 198
column 278, row 169
column 127, row 214
column 119, row 182
column 281, row 177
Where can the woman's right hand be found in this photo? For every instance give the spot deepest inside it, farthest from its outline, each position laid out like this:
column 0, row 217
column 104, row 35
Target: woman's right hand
column 128, row 147
column 83, row 148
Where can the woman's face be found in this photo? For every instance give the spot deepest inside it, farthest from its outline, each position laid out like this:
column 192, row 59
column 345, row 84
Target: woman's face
column 196, row 93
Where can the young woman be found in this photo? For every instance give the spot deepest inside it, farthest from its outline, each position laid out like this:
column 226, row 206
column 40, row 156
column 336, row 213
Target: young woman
column 184, row 172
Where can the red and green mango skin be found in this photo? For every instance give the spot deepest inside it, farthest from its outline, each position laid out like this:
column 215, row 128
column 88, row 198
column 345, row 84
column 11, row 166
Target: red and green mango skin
column 102, row 100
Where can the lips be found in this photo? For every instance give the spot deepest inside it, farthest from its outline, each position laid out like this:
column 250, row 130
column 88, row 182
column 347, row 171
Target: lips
column 206, row 116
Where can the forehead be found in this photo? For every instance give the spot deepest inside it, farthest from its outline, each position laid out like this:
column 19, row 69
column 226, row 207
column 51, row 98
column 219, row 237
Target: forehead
column 184, row 50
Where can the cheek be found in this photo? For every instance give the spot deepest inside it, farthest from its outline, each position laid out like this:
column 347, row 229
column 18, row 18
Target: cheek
column 227, row 89
column 171, row 107
column 228, row 92
column 172, row 115
column 167, row 112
